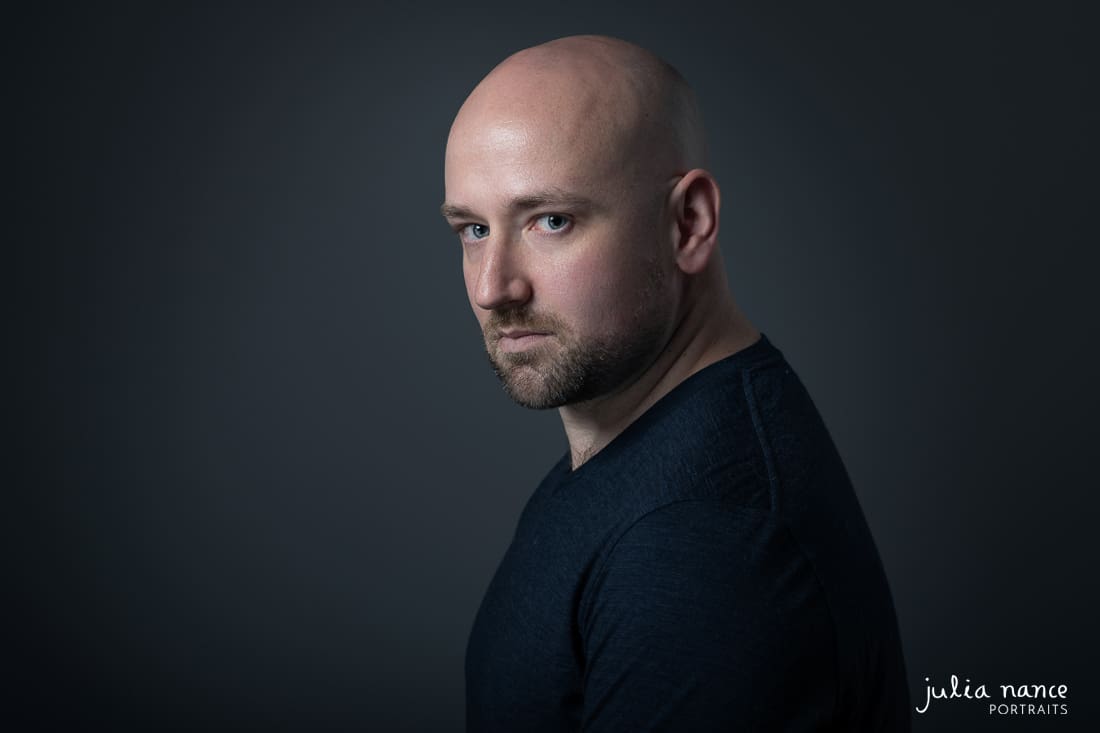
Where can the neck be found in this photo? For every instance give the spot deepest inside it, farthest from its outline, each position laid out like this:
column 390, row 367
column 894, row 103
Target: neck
column 708, row 332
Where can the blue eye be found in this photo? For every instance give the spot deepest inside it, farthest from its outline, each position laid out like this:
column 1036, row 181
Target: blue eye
column 475, row 231
column 553, row 222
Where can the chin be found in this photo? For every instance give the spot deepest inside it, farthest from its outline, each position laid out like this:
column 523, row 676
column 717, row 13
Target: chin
column 527, row 388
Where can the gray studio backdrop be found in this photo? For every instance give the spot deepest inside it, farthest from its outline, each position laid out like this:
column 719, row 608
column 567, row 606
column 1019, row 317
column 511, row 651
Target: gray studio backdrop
column 263, row 471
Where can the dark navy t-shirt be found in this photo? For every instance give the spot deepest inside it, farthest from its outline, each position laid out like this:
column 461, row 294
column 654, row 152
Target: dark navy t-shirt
column 709, row 570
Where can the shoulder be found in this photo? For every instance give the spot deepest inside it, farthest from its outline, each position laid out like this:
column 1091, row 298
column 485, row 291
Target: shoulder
column 713, row 557
column 716, row 603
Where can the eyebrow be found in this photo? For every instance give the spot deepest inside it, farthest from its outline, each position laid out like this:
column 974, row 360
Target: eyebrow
column 527, row 202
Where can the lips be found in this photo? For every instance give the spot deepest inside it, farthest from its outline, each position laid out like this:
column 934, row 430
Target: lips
column 519, row 339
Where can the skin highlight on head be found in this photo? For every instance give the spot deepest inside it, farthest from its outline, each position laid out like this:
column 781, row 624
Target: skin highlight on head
column 574, row 177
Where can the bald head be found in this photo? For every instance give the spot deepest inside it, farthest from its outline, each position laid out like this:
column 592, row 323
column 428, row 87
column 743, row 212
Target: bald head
column 615, row 104
column 589, row 227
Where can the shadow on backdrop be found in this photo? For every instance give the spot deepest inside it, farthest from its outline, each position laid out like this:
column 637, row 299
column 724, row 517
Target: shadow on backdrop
column 262, row 470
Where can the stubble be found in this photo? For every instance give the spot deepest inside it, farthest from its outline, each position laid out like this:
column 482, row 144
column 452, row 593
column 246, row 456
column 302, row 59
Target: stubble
column 565, row 369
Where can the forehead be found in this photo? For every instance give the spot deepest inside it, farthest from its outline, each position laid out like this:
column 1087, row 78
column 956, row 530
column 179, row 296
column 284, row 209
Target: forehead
column 527, row 128
column 505, row 157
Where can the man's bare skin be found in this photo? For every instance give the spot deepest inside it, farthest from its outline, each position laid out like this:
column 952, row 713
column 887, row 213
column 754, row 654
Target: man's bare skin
column 574, row 176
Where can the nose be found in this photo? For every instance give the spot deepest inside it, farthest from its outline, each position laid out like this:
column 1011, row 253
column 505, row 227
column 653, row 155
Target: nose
column 501, row 280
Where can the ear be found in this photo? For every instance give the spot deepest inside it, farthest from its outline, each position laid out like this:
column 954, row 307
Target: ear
column 694, row 207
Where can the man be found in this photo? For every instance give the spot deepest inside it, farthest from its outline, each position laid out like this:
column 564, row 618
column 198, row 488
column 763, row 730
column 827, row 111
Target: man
column 698, row 559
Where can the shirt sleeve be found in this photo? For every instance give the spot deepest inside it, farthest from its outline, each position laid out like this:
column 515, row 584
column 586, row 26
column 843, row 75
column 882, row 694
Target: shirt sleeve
column 705, row 617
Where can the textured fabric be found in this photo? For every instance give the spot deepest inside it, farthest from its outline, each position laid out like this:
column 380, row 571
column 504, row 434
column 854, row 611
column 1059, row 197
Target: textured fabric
column 709, row 570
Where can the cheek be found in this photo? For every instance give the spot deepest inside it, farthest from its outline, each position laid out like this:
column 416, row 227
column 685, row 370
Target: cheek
column 469, row 276
column 623, row 294
column 589, row 295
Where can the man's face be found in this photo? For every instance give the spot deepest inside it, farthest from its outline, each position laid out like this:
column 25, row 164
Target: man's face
column 561, row 256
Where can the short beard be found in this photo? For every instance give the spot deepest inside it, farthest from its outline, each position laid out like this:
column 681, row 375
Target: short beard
column 539, row 378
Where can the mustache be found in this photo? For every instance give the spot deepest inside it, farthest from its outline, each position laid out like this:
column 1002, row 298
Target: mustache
column 521, row 318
